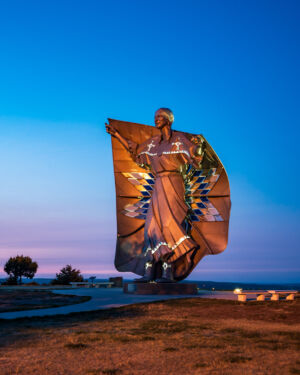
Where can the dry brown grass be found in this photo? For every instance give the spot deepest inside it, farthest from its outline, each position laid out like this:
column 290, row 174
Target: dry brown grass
column 192, row 336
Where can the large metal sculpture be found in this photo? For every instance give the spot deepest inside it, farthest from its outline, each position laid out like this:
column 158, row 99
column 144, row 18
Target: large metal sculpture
column 173, row 199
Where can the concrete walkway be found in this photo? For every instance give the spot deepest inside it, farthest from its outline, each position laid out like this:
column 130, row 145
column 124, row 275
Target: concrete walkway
column 105, row 298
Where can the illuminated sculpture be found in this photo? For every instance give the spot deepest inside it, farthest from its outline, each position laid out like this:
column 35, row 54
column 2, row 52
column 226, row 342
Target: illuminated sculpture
column 173, row 199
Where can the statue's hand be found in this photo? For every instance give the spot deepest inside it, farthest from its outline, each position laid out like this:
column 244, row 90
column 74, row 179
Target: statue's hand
column 111, row 130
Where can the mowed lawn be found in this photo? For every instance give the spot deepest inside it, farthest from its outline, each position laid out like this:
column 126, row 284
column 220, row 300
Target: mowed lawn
column 20, row 300
column 189, row 336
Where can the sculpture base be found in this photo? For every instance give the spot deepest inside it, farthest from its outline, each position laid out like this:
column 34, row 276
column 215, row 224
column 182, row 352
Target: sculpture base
column 160, row 288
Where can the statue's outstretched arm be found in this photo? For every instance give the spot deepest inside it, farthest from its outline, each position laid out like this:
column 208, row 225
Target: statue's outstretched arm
column 114, row 133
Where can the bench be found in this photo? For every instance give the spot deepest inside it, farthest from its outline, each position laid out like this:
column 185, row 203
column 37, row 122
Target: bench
column 259, row 294
column 86, row 284
column 288, row 294
column 105, row 284
column 81, row 284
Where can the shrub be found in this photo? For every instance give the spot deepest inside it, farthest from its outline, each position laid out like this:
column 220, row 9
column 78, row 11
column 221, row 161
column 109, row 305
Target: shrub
column 67, row 275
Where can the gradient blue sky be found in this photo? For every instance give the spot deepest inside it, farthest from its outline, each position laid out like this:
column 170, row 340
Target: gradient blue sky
column 228, row 69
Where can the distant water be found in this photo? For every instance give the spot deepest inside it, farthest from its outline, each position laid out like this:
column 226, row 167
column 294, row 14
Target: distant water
column 45, row 281
column 209, row 285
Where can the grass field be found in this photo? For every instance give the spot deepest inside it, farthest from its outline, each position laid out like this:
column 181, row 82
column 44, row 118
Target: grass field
column 20, row 300
column 189, row 336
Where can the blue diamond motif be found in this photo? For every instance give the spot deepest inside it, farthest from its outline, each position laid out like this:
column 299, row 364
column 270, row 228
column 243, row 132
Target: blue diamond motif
column 205, row 191
column 145, row 193
column 201, row 205
column 197, row 173
column 141, row 217
column 198, row 212
column 147, row 187
column 150, row 182
column 200, row 179
column 204, row 199
column 151, row 175
column 189, row 168
column 194, row 218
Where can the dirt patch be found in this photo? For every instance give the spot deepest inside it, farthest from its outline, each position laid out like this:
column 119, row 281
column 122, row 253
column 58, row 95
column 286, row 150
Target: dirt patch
column 192, row 336
column 27, row 300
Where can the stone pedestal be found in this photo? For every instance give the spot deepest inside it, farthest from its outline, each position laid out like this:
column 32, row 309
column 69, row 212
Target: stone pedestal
column 161, row 288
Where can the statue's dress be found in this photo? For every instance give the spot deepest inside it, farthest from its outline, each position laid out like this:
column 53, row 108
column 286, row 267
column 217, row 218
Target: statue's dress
column 166, row 231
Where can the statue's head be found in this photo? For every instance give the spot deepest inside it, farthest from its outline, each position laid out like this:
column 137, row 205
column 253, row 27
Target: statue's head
column 163, row 117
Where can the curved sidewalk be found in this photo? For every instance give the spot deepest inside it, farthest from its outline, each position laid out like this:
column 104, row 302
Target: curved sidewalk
column 103, row 298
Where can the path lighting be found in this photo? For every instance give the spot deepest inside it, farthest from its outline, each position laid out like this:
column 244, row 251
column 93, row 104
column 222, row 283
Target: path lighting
column 237, row 291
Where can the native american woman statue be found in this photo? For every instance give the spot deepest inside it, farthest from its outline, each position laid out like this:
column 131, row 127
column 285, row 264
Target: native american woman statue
column 173, row 199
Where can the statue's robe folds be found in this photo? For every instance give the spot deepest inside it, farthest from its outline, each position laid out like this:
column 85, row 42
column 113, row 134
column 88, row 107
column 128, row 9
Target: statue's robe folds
column 172, row 203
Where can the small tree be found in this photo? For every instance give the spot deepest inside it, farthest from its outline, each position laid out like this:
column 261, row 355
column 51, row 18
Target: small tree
column 18, row 267
column 67, row 275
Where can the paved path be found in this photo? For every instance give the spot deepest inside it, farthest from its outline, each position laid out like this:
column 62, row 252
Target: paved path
column 105, row 298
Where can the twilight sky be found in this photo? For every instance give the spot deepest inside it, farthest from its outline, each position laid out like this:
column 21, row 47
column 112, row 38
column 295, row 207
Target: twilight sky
column 228, row 70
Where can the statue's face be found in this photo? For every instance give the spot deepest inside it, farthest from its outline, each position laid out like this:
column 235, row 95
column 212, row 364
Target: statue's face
column 160, row 120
